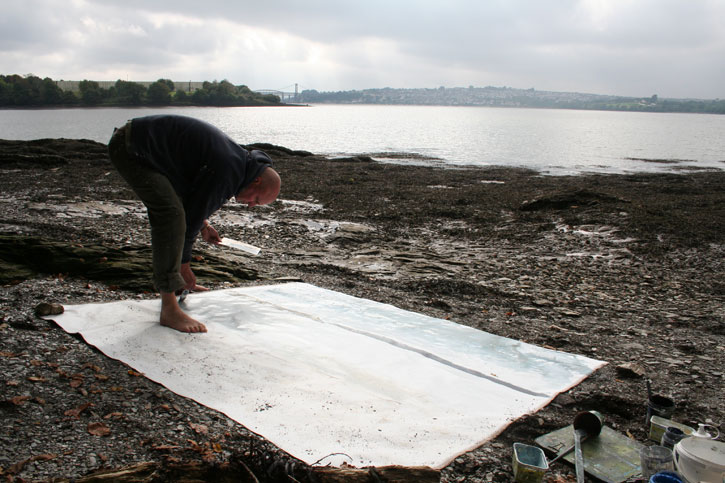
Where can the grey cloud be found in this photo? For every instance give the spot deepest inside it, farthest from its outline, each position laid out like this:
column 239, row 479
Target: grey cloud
column 613, row 46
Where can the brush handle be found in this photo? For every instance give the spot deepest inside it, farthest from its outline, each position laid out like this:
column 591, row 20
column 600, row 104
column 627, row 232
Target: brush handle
column 578, row 456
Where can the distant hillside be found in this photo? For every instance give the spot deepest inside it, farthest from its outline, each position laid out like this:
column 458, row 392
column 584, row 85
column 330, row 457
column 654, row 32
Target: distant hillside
column 32, row 91
column 511, row 97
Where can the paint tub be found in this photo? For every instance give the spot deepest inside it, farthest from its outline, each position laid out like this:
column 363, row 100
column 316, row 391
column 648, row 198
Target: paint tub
column 671, row 437
column 700, row 459
column 529, row 463
column 666, row 477
column 659, row 406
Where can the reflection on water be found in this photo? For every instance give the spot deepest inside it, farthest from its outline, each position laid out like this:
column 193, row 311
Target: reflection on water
column 551, row 141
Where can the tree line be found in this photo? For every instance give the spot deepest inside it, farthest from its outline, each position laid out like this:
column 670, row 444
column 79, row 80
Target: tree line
column 32, row 91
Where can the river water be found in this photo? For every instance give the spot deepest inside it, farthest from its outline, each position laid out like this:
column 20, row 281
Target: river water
column 552, row 141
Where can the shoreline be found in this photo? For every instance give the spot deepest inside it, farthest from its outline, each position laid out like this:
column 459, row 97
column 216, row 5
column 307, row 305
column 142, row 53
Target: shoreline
column 622, row 268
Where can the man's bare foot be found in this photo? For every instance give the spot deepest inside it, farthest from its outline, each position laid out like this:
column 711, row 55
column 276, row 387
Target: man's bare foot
column 182, row 322
column 173, row 317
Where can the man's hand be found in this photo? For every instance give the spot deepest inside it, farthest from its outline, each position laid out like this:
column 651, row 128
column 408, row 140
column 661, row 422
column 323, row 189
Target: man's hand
column 190, row 278
column 210, row 235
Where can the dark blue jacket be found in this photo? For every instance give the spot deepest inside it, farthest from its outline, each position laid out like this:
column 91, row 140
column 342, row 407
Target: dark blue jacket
column 204, row 165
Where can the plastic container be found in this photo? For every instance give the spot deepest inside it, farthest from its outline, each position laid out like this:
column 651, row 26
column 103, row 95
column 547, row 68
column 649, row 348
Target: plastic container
column 671, row 437
column 666, row 477
column 660, row 406
column 700, row 459
column 529, row 463
column 658, row 425
column 654, row 459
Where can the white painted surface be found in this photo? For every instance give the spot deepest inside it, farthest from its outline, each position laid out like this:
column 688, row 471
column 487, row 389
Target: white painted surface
column 319, row 372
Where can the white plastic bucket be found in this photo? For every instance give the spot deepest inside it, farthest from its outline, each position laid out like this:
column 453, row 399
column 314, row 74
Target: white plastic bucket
column 700, row 459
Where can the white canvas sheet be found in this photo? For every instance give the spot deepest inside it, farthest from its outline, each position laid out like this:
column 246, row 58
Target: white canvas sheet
column 318, row 372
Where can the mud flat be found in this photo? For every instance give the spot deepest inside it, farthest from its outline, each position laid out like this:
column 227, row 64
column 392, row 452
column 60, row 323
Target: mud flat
column 623, row 268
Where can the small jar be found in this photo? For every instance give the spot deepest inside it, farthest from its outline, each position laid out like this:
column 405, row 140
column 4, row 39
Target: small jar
column 671, row 437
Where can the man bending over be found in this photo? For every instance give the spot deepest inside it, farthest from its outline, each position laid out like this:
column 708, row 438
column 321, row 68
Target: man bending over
column 184, row 169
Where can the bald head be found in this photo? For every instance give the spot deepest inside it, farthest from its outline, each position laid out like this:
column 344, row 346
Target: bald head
column 263, row 190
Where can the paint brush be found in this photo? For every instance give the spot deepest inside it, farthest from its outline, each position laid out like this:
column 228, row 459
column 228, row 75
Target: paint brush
column 245, row 247
column 579, row 434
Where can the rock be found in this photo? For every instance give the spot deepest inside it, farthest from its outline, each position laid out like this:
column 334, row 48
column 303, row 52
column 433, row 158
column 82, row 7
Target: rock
column 44, row 309
column 632, row 346
column 630, row 369
column 126, row 267
column 566, row 200
column 525, row 308
column 543, row 302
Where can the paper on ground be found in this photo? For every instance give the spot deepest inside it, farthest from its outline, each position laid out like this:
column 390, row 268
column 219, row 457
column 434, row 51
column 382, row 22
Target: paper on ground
column 318, row 372
column 229, row 242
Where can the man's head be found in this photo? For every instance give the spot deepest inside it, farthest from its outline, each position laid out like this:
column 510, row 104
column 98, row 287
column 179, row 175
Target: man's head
column 262, row 191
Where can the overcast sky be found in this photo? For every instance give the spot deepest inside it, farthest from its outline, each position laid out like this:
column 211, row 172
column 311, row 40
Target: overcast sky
column 672, row 48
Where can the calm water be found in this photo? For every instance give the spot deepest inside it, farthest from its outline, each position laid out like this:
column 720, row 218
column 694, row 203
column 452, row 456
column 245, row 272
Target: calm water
column 551, row 141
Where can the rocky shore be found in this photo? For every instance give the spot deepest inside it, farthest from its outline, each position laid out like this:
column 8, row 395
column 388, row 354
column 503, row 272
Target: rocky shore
column 623, row 268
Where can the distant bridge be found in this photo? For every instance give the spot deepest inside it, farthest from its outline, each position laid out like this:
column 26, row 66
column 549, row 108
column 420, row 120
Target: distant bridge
column 284, row 95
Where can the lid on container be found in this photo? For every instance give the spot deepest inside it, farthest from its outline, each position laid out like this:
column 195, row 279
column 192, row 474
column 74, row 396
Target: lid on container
column 709, row 452
column 702, row 432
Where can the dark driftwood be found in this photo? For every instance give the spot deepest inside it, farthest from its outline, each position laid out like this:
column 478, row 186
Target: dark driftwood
column 389, row 474
column 153, row 472
column 195, row 472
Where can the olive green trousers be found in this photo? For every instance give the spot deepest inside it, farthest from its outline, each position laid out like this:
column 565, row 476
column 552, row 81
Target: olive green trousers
column 164, row 207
